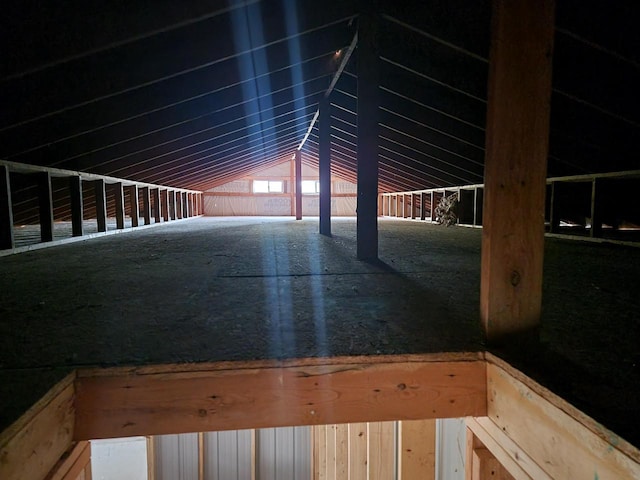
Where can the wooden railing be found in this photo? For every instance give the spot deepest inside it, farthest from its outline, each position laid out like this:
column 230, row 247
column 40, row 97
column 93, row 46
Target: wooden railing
column 596, row 206
column 145, row 204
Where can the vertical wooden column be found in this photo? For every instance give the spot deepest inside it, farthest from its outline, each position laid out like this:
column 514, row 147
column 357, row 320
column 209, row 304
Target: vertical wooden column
column 119, row 197
column 172, row 204
column 367, row 131
column 163, row 205
column 413, row 206
column 515, row 167
column 382, row 453
column 596, row 208
column 157, row 206
column 554, row 208
column 77, row 212
column 46, row 206
column 324, row 149
column 101, row 204
column 185, row 205
column 7, row 239
column 146, row 205
column 358, row 442
column 134, row 205
column 423, row 212
column 298, row 176
column 432, row 208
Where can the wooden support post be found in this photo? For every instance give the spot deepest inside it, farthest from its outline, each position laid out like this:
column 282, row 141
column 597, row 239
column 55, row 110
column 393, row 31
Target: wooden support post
column 7, row 239
column 367, row 131
column 412, row 205
column 46, row 206
column 155, row 195
column 554, row 209
column 382, row 455
column 432, row 208
column 298, row 177
column 77, row 214
column 146, row 205
column 398, row 203
column 119, row 197
column 423, row 211
column 172, row 206
column 164, row 205
column 515, row 168
column 484, row 466
column 324, row 161
column 101, row 204
column 596, row 207
column 187, row 205
column 417, row 449
column 134, row 205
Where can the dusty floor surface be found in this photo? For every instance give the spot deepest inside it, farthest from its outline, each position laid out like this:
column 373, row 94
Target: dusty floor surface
column 213, row 289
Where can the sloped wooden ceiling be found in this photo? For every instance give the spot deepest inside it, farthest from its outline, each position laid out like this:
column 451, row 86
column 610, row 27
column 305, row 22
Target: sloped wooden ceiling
column 196, row 93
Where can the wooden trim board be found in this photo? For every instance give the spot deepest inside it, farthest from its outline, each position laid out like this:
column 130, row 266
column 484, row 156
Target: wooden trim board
column 250, row 395
column 31, row 447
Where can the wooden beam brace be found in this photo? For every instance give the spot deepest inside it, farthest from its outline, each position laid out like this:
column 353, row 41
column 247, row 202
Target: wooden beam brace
column 515, row 168
column 557, row 437
column 119, row 204
column 101, row 204
column 32, row 446
column 161, row 400
column 324, row 162
column 368, row 132
column 134, row 205
column 46, row 206
column 7, row 239
column 77, row 211
column 146, row 205
column 298, row 178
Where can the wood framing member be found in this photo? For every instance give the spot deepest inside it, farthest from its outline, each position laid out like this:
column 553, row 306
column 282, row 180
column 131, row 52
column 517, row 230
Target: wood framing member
column 7, row 239
column 32, row 446
column 367, row 131
column 539, row 431
column 119, row 204
column 423, row 213
column 134, row 206
column 417, row 450
column 46, row 206
column 596, row 207
column 172, row 204
column 77, row 214
column 185, row 205
column 75, row 462
column 101, row 204
column 164, row 205
column 146, row 204
column 298, row 179
column 207, row 397
column 515, row 167
column 324, row 165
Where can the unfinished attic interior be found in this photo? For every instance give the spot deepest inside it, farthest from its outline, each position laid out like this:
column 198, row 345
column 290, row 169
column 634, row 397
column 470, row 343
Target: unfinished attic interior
column 316, row 240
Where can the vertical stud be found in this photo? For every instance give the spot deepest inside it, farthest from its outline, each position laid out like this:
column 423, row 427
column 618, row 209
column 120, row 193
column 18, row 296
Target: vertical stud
column 134, row 205
column 146, row 204
column 101, row 204
column 324, row 163
column 119, row 197
column 7, row 239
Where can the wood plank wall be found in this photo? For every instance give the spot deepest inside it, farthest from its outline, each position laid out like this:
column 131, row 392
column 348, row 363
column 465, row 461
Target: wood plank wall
column 375, row 450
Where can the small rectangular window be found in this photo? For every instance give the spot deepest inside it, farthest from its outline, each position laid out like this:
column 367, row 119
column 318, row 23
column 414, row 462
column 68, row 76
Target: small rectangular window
column 309, row 186
column 268, row 186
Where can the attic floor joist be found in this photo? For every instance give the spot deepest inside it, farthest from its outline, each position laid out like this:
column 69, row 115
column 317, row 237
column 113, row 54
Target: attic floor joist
column 532, row 432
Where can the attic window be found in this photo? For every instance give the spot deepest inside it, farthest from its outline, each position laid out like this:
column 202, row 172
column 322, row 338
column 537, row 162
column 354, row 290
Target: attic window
column 268, row 186
column 310, row 186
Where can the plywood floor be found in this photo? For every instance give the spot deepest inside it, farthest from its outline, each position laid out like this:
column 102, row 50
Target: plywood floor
column 213, row 289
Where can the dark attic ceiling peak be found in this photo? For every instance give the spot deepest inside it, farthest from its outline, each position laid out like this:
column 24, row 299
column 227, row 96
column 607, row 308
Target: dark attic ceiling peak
column 198, row 93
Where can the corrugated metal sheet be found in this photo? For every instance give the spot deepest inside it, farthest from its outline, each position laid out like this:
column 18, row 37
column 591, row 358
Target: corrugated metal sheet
column 228, row 455
column 176, row 457
column 284, row 453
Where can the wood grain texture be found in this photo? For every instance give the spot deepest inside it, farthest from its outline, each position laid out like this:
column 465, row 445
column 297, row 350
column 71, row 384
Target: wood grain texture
column 486, row 467
column 382, row 448
column 557, row 441
column 129, row 404
column 417, row 450
column 32, row 446
column 358, row 468
column 515, row 166
column 342, row 451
